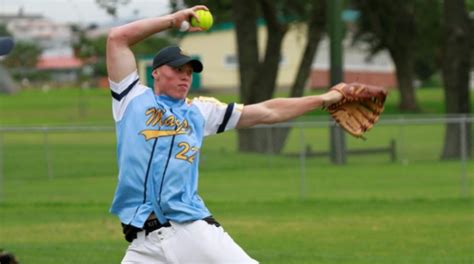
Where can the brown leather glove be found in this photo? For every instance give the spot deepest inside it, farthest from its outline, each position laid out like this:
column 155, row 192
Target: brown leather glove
column 360, row 107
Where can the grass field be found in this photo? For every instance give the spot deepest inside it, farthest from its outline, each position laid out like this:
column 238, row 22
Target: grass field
column 371, row 210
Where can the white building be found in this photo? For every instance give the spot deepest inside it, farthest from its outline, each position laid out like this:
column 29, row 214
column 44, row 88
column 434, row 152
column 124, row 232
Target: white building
column 53, row 38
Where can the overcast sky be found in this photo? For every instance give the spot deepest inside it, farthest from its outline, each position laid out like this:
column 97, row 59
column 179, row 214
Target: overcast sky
column 83, row 11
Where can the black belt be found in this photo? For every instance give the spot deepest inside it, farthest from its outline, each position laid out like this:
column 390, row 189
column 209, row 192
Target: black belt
column 130, row 232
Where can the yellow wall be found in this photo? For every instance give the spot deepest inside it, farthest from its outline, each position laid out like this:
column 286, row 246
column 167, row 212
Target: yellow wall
column 212, row 47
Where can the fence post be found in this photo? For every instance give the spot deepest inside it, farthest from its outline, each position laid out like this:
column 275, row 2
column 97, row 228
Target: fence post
column 463, row 135
column 302, row 164
column 401, row 147
column 47, row 153
column 393, row 150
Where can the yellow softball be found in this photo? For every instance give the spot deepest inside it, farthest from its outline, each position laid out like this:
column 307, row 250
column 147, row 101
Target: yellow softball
column 205, row 20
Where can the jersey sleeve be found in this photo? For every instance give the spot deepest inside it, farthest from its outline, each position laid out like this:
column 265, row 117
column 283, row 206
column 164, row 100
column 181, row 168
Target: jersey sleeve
column 124, row 92
column 218, row 116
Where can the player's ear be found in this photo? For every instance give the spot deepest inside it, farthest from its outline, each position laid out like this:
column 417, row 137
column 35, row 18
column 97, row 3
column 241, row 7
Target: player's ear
column 156, row 74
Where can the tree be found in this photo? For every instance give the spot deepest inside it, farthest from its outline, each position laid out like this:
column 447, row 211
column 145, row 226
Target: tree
column 456, row 70
column 392, row 25
column 111, row 6
column 470, row 8
column 3, row 31
column 25, row 55
column 21, row 62
column 221, row 9
column 259, row 72
column 92, row 50
column 150, row 46
column 429, row 38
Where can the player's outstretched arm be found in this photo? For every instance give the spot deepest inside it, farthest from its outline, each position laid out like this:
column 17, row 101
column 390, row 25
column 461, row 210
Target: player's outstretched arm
column 284, row 109
column 120, row 59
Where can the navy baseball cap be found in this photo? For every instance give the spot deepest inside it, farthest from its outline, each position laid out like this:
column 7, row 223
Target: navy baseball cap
column 6, row 45
column 173, row 56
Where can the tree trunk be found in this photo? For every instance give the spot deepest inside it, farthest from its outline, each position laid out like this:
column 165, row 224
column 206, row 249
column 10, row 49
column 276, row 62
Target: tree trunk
column 456, row 70
column 257, row 78
column 392, row 25
column 245, row 16
column 264, row 83
column 262, row 140
column 316, row 27
column 404, row 64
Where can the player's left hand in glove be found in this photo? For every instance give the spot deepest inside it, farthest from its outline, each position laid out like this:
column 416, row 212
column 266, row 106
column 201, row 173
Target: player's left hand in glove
column 355, row 107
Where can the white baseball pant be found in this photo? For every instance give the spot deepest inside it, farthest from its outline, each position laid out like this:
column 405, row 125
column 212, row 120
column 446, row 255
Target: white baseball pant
column 187, row 243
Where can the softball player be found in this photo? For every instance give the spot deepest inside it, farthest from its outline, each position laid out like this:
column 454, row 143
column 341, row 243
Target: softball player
column 159, row 136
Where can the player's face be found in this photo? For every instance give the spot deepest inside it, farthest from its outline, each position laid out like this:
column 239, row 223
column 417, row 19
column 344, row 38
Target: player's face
column 173, row 81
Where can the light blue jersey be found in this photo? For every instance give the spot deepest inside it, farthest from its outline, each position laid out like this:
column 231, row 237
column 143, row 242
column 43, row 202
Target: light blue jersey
column 158, row 145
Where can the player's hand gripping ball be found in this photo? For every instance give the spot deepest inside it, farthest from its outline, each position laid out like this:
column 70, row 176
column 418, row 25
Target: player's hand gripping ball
column 205, row 20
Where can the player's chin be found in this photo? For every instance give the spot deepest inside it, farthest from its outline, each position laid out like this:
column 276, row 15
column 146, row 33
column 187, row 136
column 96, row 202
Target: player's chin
column 182, row 92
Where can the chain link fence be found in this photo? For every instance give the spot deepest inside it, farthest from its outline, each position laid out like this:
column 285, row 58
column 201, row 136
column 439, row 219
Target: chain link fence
column 410, row 145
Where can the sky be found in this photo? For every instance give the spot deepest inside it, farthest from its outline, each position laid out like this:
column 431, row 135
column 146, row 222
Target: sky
column 83, row 11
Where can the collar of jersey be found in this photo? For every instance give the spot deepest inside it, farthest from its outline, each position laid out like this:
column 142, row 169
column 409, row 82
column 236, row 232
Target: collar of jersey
column 170, row 101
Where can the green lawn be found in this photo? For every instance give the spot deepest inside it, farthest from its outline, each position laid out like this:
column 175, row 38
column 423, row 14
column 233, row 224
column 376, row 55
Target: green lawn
column 372, row 210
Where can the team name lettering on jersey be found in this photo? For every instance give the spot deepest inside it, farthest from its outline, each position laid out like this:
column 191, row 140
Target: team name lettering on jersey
column 172, row 125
